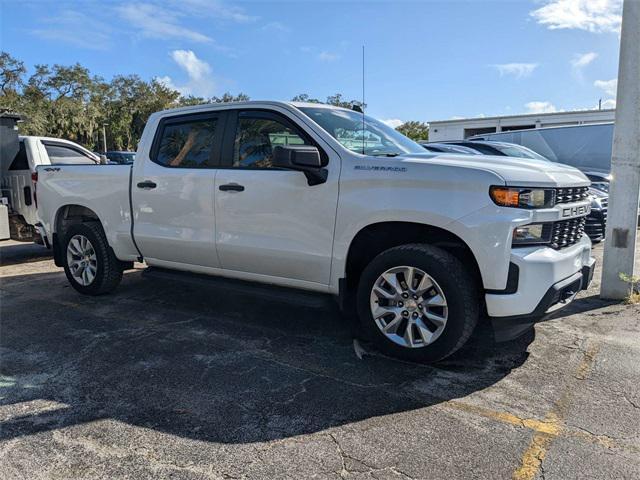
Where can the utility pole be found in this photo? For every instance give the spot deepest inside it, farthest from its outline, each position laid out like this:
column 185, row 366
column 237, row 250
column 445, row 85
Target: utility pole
column 624, row 192
column 104, row 138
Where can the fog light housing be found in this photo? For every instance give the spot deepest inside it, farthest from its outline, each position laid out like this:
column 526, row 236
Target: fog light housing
column 532, row 234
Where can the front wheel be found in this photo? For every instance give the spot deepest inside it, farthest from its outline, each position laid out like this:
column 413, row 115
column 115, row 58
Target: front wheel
column 417, row 302
column 90, row 265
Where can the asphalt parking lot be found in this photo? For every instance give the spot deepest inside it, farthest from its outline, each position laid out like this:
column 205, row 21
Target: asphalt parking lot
column 165, row 380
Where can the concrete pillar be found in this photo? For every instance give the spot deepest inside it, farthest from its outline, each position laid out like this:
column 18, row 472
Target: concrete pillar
column 624, row 193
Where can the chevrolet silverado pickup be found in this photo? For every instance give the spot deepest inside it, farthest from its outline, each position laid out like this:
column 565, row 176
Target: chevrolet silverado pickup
column 417, row 245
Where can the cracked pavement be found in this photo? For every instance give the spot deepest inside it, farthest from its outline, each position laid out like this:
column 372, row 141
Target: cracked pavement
column 174, row 380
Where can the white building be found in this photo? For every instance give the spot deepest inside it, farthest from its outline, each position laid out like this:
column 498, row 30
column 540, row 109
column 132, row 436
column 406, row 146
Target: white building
column 464, row 128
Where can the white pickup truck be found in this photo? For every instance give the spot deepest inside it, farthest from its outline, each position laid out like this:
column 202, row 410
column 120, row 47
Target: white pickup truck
column 321, row 198
column 18, row 168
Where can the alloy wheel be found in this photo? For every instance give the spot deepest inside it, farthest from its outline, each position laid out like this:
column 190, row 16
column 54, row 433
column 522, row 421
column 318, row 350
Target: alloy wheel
column 408, row 306
column 82, row 260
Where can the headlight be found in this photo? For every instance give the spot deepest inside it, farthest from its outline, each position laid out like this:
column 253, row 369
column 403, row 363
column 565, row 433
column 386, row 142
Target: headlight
column 533, row 234
column 522, row 197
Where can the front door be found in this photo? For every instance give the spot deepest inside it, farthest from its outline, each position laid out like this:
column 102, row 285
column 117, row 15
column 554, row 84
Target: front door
column 269, row 221
column 172, row 192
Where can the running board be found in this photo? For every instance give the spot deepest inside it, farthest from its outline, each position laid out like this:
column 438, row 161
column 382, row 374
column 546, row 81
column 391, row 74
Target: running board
column 257, row 290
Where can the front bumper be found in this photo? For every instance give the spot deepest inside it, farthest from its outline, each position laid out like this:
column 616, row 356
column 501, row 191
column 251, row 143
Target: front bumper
column 548, row 280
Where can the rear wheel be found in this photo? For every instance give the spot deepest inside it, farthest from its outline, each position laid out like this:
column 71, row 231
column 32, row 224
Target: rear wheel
column 417, row 302
column 90, row 265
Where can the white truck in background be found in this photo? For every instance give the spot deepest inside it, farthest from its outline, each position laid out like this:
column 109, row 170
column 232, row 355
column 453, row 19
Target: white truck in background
column 19, row 178
column 320, row 198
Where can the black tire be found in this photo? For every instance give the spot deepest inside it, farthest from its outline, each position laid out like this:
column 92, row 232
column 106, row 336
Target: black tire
column 109, row 268
column 457, row 284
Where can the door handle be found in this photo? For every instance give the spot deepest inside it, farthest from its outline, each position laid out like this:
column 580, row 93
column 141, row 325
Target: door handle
column 231, row 187
column 147, row 184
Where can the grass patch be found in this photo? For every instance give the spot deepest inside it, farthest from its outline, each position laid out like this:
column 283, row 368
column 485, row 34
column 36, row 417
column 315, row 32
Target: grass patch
column 634, row 288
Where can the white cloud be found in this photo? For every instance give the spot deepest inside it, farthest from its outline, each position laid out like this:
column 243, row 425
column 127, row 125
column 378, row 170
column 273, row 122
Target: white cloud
column 540, row 107
column 325, row 56
column 200, row 80
column 519, row 70
column 609, row 103
column 610, row 87
column 581, row 60
column 156, row 22
column 275, row 27
column 74, row 28
column 393, row 122
column 591, row 15
column 215, row 9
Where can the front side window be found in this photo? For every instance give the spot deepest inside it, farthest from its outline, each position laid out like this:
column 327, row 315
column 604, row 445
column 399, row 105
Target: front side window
column 362, row 134
column 63, row 155
column 257, row 135
column 187, row 144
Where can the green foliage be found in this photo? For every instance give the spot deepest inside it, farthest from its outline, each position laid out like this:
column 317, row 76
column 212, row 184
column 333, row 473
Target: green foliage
column 634, row 287
column 415, row 130
column 336, row 100
column 68, row 102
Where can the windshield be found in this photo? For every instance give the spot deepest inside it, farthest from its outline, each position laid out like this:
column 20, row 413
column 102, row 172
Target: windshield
column 517, row 151
column 376, row 138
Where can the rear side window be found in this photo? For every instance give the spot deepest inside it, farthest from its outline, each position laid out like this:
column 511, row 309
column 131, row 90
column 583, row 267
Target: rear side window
column 257, row 135
column 66, row 155
column 187, row 143
column 20, row 161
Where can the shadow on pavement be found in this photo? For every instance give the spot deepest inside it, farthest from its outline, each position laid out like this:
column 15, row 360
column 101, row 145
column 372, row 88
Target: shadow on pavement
column 14, row 253
column 209, row 364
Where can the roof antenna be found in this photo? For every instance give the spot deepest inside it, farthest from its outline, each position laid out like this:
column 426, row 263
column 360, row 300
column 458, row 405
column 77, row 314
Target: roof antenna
column 363, row 99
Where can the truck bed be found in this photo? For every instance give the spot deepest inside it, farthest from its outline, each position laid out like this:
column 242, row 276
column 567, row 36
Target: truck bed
column 104, row 189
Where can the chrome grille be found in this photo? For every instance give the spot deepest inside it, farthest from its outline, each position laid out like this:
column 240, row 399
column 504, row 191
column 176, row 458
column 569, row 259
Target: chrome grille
column 569, row 195
column 567, row 232
column 597, row 222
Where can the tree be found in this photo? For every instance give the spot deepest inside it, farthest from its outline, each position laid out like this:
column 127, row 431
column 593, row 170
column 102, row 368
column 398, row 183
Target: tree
column 336, row 100
column 303, row 97
column 69, row 102
column 225, row 98
column 414, row 130
column 11, row 72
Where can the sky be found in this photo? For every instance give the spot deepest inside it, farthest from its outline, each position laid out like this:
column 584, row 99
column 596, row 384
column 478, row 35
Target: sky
column 424, row 60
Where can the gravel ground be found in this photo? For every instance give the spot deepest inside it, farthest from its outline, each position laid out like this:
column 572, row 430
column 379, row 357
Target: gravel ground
column 165, row 380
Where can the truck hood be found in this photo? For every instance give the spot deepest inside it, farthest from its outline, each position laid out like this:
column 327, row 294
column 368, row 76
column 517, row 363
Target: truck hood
column 523, row 172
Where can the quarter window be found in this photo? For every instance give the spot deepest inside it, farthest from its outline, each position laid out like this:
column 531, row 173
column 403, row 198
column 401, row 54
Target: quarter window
column 256, row 137
column 63, row 155
column 187, row 144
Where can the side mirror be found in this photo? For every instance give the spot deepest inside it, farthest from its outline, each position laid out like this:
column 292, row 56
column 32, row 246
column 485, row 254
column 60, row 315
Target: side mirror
column 303, row 158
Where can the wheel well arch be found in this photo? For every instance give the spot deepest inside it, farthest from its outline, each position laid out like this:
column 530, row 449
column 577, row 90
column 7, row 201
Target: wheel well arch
column 378, row 237
column 66, row 216
column 72, row 214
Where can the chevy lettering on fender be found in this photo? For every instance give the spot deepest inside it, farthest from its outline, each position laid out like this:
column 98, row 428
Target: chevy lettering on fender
column 415, row 246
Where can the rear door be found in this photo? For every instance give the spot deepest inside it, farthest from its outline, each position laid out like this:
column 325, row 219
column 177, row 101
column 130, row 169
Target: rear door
column 269, row 221
column 172, row 191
